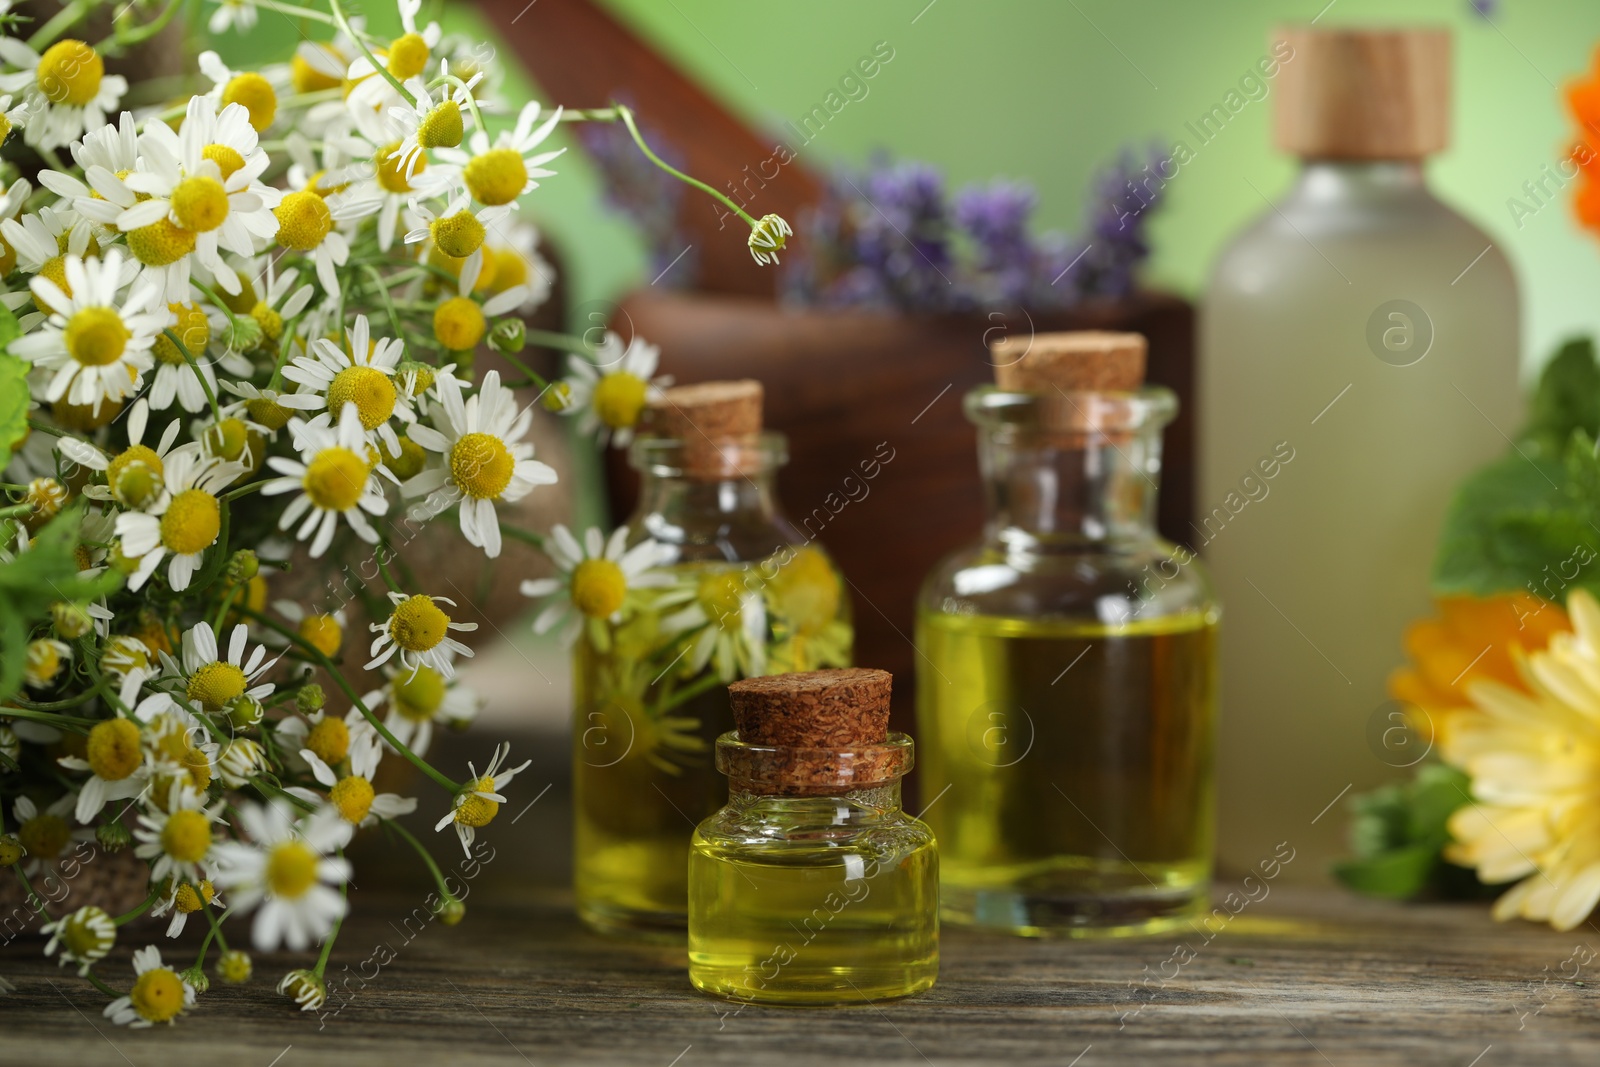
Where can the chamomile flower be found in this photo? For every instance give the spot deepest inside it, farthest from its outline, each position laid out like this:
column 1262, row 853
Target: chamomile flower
column 767, row 238
column 723, row 615
column 15, row 197
column 323, row 630
column 486, row 458
column 12, row 117
column 596, row 583
column 191, row 385
column 418, row 700
column 385, row 188
column 105, row 155
column 134, row 476
column 280, row 299
column 41, row 240
column 479, row 802
column 203, row 181
column 286, row 873
column 405, row 58
column 427, row 123
column 419, row 630
column 459, row 322
column 511, row 259
column 269, row 407
column 306, row 223
column 499, row 172
column 458, row 231
column 305, row 988
column 212, row 682
column 249, row 89
column 360, row 372
column 114, row 758
column 183, row 900
column 84, row 937
column 327, row 736
column 159, row 994
column 352, row 794
column 96, row 340
column 67, row 89
column 333, row 479
column 182, row 524
column 44, row 661
column 44, row 832
column 608, row 392
column 178, row 837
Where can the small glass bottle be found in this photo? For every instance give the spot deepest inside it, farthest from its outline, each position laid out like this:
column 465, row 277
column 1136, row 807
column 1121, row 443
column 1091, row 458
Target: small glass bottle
column 1066, row 678
column 750, row 595
column 812, row 886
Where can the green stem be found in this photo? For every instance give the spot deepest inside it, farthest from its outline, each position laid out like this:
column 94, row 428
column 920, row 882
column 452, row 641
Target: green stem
column 38, row 901
column 433, row 867
column 122, row 920
column 41, row 712
column 120, row 41
column 211, row 396
column 70, row 15
column 244, row 490
column 94, row 980
column 626, row 114
column 689, row 692
column 215, row 932
column 296, row 9
column 517, row 533
column 388, row 302
column 472, row 100
column 16, row 511
column 315, row 654
column 327, row 945
column 222, row 612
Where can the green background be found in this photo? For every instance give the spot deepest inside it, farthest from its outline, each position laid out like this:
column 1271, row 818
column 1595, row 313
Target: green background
column 1048, row 91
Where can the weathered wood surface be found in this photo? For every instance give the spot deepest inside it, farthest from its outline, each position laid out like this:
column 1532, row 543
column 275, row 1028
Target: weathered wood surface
column 1303, row 976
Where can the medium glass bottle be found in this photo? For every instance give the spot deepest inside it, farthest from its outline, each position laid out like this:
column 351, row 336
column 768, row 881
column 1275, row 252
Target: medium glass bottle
column 812, row 886
column 1358, row 358
column 750, row 595
column 1066, row 680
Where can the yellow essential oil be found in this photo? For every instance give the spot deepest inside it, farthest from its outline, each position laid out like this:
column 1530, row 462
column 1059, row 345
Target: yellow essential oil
column 813, row 886
column 740, row 594
column 1080, row 757
column 842, row 907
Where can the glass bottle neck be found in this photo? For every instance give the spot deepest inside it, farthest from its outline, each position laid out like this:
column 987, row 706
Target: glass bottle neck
column 881, row 799
column 746, row 495
column 1325, row 181
column 1062, row 489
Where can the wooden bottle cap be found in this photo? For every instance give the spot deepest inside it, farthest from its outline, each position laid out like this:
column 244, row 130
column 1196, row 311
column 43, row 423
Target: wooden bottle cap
column 711, row 419
column 1364, row 93
column 1071, row 362
column 813, row 709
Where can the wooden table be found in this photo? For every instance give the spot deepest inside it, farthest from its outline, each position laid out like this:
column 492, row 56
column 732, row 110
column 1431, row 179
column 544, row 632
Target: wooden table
column 1303, row 976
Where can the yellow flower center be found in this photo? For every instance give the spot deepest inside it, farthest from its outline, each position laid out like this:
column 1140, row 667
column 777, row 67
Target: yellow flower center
column 195, row 766
column 308, row 79
column 54, row 268
column 303, row 221
column 70, row 72
column 496, row 177
column 330, row 740
column 291, row 869
column 557, row 398
column 201, row 203
column 269, row 413
column 186, row 837
column 619, row 399
column 417, row 697
column 353, row 797
column 598, row 587
column 408, row 56
column 189, row 900
column 114, row 749
column 417, row 624
column 457, row 235
column 476, row 810
column 443, row 128
column 369, row 389
column 161, row 243
column 391, row 171
column 269, row 320
column 226, row 157
column 721, row 596
column 8, row 259
column 807, row 591
column 335, row 479
column 409, row 463
column 228, row 439
column 234, row 967
column 509, row 269
column 128, row 457
column 192, row 328
column 5, row 128
column 323, row 632
column 481, row 465
column 157, row 995
column 214, row 684
column 85, row 934
column 256, row 94
column 191, row 523
column 96, row 336
column 45, row 835
column 458, row 324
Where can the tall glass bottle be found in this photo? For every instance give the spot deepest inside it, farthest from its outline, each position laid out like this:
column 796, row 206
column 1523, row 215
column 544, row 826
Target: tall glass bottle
column 751, row 595
column 1359, row 347
column 1066, row 667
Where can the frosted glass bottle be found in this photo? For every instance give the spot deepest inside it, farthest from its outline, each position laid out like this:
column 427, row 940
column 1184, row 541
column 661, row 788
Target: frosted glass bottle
column 1359, row 349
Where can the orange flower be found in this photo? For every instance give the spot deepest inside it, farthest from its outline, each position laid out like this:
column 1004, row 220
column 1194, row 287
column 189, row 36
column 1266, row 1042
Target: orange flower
column 1583, row 100
column 1470, row 639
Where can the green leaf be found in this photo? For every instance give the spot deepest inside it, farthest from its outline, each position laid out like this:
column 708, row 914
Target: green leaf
column 1398, row 874
column 13, row 397
column 1506, row 523
column 1567, row 398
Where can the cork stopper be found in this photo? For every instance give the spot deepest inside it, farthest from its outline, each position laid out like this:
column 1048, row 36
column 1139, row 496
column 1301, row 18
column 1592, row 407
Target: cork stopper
column 714, row 421
column 1363, row 93
column 813, row 733
column 1072, row 362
